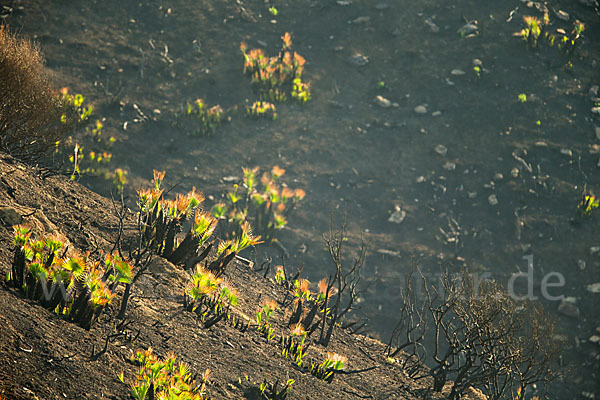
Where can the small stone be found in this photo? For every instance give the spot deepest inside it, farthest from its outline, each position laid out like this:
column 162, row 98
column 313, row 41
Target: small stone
column 593, row 288
column 597, row 131
column 9, row 216
column 541, row 144
column 594, row 339
column 382, row 102
column 436, row 113
column 514, row 172
column 361, row 20
column 581, row 264
column 560, row 14
column 421, row 109
column 441, row 150
column 420, row 179
column 593, row 92
column 594, row 250
column 449, row 166
column 498, row 176
column 566, row 152
column 434, row 28
column 457, row 72
column 468, row 29
column 596, row 110
column 358, row 60
column 397, row 216
column 472, row 195
column 343, row 3
column 493, row 200
column 568, row 309
column 231, row 178
column 477, row 62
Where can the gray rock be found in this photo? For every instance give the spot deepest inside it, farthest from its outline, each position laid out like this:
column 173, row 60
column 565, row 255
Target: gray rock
column 514, row 172
column 397, row 216
column 382, row 102
column 9, row 216
column 468, row 29
column 449, row 166
column 593, row 92
column 441, row 150
column 597, row 132
column 566, row 152
column 421, row 109
column 596, row 110
column 358, row 60
column 434, row 28
column 593, row 288
column 457, row 72
column 493, row 200
column 568, row 309
column 436, row 113
column 581, row 264
column 560, row 14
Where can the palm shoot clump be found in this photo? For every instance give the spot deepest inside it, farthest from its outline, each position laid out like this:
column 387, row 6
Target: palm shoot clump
column 536, row 30
column 165, row 380
column 75, row 287
column 262, row 109
column 205, row 119
column 276, row 78
column 263, row 201
column 162, row 220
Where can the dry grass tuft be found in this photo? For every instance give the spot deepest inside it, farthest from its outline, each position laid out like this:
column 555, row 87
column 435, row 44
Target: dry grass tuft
column 34, row 116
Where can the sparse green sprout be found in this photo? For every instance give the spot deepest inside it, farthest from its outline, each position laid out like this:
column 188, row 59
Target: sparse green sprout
column 119, row 179
column 74, row 287
column 265, row 204
column 276, row 77
column 274, row 12
column 477, row 70
column 538, row 122
column 333, row 363
column 522, row 97
column 209, row 117
column 381, row 85
column 262, row 109
column 588, row 202
column 280, row 274
column 164, row 379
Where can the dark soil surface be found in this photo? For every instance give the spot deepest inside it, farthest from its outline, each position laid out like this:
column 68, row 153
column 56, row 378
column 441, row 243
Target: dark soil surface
column 138, row 63
column 45, row 357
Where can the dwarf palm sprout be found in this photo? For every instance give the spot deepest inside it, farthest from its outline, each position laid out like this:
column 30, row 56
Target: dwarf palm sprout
column 203, row 284
column 161, row 221
column 74, row 287
column 264, row 202
column 325, row 370
column 164, row 379
column 274, row 77
column 262, row 109
column 209, row 117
